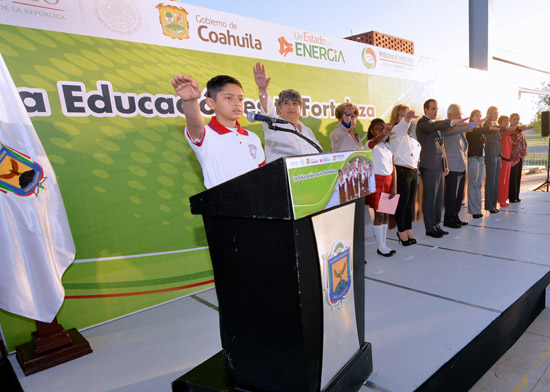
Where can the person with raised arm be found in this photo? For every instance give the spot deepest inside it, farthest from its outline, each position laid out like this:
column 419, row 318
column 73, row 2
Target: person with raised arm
column 507, row 156
column 279, row 143
column 344, row 137
column 384, row 174
column 519, row 151
column 476, row 161
column 406, row 154
column 456, row 148
column 224, row 149
column 433, row 165
column 493, row 155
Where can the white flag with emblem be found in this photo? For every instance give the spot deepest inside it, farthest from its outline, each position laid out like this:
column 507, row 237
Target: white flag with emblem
column 36, row 245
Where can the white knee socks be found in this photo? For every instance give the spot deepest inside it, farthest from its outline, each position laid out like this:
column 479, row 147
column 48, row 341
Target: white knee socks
column 385, row 236
column 380, row 236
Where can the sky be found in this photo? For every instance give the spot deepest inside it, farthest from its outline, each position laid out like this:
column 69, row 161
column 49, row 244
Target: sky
column 439, row 28
column 519, row 29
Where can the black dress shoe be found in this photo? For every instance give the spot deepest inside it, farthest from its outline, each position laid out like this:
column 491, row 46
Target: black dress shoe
column 413, row 240
column 477, row 216
column 442, row 232
column 452, row 225
column 494, row 211
column 461, row 223
column 389, row 254
column 434, row 234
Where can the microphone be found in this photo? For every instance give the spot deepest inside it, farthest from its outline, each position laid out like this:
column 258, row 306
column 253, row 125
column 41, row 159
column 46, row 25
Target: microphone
column 251, row 116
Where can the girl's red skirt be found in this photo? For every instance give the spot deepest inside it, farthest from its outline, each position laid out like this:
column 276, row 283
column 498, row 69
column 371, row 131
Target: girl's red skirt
column 383, row 184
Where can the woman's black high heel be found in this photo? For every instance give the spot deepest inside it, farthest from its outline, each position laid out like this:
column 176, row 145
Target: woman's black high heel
column 407, row 242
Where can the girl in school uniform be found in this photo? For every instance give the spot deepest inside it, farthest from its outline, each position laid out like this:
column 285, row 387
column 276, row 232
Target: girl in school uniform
column 384, row 172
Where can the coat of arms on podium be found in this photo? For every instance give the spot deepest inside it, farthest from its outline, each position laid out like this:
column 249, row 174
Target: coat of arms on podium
column 18, row 174
column 338, row 276
column 174, row 21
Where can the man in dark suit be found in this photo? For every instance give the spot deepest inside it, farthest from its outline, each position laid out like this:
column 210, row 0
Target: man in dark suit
column 433, row 165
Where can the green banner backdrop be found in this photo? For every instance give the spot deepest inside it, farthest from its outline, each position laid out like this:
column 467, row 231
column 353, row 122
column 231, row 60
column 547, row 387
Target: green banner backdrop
column 108, row 118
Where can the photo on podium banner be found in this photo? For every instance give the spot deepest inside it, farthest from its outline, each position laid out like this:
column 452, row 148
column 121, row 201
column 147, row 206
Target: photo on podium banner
column 324, row 181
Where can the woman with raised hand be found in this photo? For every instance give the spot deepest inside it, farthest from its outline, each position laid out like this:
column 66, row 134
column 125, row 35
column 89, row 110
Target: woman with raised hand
column 344, row 137
column 406, row 155
column 492, row 159
column 519, row 151
column 280, row 143
column 476, row 165
column 506, row 145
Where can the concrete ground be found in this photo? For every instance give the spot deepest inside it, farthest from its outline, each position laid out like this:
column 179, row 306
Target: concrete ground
column 531, row 180
column 525, row 367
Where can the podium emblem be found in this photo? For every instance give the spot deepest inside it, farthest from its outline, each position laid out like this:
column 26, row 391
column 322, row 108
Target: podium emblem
column 338, row 275
column 18, row 174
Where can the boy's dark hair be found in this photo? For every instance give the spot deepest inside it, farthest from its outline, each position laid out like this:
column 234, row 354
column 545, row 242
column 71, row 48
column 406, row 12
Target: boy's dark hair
column 217, row 83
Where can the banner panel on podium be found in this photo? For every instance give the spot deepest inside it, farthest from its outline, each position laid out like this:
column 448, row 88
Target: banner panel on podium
column 334, row 238
column 322, row 181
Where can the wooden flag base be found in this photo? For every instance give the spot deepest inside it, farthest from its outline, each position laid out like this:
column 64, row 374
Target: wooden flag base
column 51, row 345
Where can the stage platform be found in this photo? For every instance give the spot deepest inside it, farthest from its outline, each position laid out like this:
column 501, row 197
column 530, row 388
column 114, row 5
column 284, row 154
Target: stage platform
column 438, row 313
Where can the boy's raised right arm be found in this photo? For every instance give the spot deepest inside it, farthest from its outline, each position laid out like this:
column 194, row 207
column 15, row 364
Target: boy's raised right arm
column 189, row 91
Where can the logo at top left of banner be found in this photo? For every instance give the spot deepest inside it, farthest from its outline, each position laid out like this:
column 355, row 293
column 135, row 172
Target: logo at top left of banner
column 174, row 21
column 119, row 16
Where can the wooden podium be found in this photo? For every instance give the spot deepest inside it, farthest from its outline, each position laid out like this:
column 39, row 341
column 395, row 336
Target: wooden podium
column 291, row 309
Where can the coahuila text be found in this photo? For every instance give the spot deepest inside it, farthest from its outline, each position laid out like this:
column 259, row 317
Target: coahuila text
column 226, row 38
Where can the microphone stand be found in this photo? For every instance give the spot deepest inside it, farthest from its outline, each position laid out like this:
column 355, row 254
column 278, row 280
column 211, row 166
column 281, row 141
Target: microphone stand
column 295, row 132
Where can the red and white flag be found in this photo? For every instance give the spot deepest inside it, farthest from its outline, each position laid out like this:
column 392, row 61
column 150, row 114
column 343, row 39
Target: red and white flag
column 36, row 245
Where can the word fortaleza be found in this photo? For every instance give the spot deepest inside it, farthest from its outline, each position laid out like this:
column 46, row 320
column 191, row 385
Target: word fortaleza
column 75, row 101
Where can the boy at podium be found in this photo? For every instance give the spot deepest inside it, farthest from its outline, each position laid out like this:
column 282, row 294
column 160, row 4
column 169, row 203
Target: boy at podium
column 224, row 149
